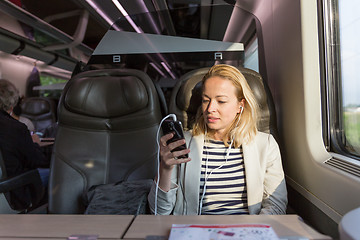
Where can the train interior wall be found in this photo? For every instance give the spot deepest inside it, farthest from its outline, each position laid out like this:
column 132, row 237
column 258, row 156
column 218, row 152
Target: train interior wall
column 291, row 41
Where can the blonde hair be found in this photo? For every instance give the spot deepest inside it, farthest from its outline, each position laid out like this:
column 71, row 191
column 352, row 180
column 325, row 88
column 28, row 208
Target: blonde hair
column 243, row 130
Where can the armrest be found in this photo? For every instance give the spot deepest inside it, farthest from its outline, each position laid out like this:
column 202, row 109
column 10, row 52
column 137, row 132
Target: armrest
column 31, row 177
column 11, row 186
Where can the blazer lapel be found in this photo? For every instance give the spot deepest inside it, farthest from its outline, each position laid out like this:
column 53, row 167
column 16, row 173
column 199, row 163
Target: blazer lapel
column 192, row 178
column 252, row 174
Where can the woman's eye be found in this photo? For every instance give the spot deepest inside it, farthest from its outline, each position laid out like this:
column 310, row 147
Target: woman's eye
column 205, row 100
column 222, row 101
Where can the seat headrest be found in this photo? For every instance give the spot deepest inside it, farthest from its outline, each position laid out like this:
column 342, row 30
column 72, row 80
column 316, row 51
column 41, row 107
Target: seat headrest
column 35, row 106
column 106, row 96
column 109, row 99
column 256, row 84
column 186, row 98
column 189, row 94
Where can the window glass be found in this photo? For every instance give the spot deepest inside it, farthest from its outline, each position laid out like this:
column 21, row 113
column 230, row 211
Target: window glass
column 349, row 25
column 252, row 56
column 51, row 86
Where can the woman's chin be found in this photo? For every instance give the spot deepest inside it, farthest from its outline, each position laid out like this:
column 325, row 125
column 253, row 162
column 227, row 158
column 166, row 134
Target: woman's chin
column 212, row 126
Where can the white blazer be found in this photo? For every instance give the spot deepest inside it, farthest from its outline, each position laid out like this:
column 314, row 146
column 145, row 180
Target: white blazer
column 265, row 182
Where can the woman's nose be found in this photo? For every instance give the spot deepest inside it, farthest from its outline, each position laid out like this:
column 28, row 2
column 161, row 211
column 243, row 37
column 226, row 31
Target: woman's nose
column 212, row 106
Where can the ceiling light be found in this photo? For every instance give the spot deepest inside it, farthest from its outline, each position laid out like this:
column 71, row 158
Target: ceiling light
column 126, row 15
column 157, row 69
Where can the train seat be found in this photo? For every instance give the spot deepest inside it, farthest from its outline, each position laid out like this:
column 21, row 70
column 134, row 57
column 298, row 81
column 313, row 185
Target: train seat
column 107, row 126
column 162, row 99
column 40, row 110
column 186, row 98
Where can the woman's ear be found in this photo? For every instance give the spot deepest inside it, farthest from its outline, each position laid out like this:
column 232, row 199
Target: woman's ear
column 241, row 105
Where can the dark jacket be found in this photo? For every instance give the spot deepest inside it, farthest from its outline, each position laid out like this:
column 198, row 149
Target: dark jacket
column 19, row 152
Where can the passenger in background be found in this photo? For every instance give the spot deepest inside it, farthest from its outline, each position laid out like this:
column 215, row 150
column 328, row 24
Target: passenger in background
column 232, row 168
column 20, row 149
column 50, row 131
column 16, row 113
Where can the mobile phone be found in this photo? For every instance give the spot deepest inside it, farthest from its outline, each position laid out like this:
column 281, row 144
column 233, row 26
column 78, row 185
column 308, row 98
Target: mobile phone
column 175, row 127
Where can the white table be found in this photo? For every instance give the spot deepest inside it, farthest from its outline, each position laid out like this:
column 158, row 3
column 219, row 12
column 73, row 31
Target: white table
column 283, row 225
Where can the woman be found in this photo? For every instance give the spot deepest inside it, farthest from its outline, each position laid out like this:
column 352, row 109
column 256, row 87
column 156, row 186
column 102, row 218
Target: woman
column 20, row 150
column 232, row 168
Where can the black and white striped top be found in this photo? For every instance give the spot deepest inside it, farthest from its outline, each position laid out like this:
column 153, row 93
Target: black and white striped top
column 225, row 186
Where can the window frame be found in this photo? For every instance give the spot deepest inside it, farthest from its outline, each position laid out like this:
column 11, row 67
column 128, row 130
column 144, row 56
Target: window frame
column 332, row 97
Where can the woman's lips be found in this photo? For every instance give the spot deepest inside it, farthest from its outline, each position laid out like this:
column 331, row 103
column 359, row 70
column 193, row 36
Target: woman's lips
column 212, row 119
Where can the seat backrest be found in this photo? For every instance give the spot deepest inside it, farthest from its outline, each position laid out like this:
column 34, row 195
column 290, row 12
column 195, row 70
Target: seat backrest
column 108, row 120
column 40, row 110
column 186, row 98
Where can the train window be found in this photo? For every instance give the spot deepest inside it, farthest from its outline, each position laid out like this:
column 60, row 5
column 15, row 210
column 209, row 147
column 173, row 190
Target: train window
column 342, row 23
column 51, row 86
column 252, row 55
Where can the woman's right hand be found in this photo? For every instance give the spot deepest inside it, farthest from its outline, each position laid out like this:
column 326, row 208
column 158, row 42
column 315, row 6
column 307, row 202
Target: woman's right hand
column 35, row 138
column 168, row 158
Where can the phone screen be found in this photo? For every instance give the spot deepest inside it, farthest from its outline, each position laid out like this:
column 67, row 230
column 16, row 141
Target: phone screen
column 171, row 126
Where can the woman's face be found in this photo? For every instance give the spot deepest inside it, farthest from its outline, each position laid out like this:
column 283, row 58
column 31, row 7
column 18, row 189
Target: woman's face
column 219, row 104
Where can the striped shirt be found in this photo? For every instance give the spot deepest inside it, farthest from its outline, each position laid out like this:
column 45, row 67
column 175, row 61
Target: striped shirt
column 225, row 191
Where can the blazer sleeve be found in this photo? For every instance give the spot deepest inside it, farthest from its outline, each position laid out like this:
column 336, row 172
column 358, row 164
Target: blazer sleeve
column 275, row 193
column 165, row 200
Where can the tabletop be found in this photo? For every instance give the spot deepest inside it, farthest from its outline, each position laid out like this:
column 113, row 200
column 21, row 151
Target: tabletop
column 62, row 226
column 283, row 225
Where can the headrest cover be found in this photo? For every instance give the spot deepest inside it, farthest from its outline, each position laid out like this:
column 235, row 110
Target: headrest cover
column 189, row 96
column 189, row 93
column 186, row 91
column 256, row 84
column 106, row 96
column 35, row 106
column 190, row 104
